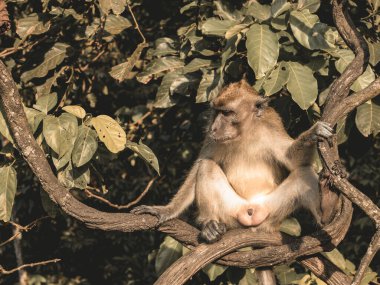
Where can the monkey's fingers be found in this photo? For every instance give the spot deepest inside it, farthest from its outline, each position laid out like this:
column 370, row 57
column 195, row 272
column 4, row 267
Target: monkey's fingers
column 324, row 130
column 143, row 209
column 213, row 231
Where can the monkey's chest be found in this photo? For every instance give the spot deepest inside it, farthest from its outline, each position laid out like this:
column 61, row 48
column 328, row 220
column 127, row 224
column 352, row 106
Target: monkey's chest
column 249, row 180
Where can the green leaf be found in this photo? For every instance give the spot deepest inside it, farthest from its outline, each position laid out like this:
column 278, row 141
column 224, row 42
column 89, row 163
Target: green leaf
column 61, row 162
column 110, row 133
column 375, row 4
column 117, row 6
column 291, row 227
column 8, row 178
column 170, row 250
column 4, row 130
column 345, row 58
column 369, row 277
column 216, row 27
column 31, row 25
column 188, row 6
column 163, row 98
column 72, row 177
column 116, row 24
column 249, row 278
column 343, row 130
column 145, row 153
column 45, row 88
column 52, row 59
column 85, row 146
column 311, row 5
column 196, row 64
column 308, row 31
column 60, row 132
column 262, row 49
column 213, row 271
column 336, row 257
column 279, row 6
column 205, row 86
column 287, row 275
column 276, row 79
column 238, row 28
column 158, row 66
column 302, row 85
column 76, row 110
column 123, row 70
column 34, row 117
column 46, row 102
column 368, row 118
column 281, row 22
column 50, row 208
column 374, row 53
column 258, row 11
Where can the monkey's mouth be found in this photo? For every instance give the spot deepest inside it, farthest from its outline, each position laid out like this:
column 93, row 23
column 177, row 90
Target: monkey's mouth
column 222, row 139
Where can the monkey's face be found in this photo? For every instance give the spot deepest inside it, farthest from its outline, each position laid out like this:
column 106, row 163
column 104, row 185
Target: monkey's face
column 225, row 125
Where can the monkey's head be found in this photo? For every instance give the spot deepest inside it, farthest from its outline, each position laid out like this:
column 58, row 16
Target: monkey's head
column 236, row 108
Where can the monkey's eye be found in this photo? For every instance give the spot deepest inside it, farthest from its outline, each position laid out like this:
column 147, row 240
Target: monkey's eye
column 227, row 112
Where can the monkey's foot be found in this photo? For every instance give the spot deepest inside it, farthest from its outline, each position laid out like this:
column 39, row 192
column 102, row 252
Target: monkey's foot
column 152, row 210
column 212, row 231
column 323, row 130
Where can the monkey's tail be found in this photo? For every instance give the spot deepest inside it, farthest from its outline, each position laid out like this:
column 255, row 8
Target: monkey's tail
column 266, row 276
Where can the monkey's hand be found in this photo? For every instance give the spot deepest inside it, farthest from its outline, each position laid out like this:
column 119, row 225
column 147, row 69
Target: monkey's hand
column 212, row 231
column 161, row 212
column 321, row 130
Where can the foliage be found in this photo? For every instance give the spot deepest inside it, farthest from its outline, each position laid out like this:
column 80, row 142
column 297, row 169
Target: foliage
column 98, row 95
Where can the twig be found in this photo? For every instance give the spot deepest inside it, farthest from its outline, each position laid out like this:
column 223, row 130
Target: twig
column 10, row 271
column 120, row 207
column 19, row 229
column 136, row 24
column 22, row 273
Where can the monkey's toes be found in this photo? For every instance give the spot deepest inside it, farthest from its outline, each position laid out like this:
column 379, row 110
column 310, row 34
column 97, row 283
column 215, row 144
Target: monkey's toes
column 143, row 209
column 212, row 231
column 324, row 130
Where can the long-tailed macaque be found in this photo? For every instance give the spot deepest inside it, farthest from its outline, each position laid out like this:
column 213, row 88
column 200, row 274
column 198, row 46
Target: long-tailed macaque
column 249, row 172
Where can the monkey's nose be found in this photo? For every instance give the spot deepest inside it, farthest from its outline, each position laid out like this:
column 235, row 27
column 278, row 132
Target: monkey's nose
column 250, row 212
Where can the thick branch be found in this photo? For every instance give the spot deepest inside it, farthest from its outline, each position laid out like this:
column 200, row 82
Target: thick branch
column 290, row 249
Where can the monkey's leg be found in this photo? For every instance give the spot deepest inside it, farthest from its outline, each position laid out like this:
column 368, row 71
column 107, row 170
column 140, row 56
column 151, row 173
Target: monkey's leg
column 180, row 201
column 217, row 201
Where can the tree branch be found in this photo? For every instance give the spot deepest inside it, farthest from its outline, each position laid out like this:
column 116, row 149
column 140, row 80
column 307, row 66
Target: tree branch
column 10, row 271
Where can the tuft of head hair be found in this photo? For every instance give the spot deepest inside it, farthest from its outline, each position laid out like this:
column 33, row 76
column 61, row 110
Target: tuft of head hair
column 239, row 90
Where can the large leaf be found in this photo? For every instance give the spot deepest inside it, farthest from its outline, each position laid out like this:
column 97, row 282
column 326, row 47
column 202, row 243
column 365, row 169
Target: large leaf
column 262, row 49
column 205, row 86
column 116, row 24
column 45, row 88
column 196, row 64
column 258, row 11
column 117, row 6
column 345, row 57
column 311, row 5
column 158, row 66
column 8, row 188
column 163, row 97
column 46, row 102
column 276, row 79
column 31, row 25
column 336, row 257
column 170, row 250
column 308, row 31
column 374, row 52
column 60, row 132
column 110, row 133
column 217, row 27
column 52, row 59
column 145, row 153
column 213, row 271
column 291, row 227
column 72, row 177
column 34, row 117
column 123, row 70
column 302, row 85
column 76, row 110
column 85, row 146
column 279, row 6
column 368, row 118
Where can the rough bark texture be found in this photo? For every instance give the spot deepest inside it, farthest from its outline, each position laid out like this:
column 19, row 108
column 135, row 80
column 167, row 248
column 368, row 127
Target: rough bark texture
column 278, row 248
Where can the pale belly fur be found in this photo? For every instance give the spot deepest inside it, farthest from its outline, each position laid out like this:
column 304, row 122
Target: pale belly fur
column 251, row 180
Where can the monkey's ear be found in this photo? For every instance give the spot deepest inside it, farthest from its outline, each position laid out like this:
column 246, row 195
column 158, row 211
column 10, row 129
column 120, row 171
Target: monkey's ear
column 262, row 102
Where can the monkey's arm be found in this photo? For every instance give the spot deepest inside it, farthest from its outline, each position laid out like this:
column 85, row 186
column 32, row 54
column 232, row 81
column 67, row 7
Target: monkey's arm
column 301, row 151
column 180, row 201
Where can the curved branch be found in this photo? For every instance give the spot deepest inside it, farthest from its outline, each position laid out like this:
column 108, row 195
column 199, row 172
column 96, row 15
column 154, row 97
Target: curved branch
column 290, row 249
